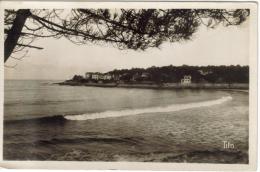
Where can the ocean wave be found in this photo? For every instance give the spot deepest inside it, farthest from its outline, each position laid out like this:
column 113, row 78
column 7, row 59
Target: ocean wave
column 129, row 112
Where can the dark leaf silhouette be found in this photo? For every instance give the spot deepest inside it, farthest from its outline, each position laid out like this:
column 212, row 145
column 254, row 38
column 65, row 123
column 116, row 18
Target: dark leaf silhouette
column 123, row 28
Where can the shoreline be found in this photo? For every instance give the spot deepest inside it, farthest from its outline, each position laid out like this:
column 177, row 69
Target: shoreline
column 237, row 90
column 241, row 87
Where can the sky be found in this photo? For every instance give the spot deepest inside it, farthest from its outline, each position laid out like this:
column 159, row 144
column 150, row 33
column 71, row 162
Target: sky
column 60, row 59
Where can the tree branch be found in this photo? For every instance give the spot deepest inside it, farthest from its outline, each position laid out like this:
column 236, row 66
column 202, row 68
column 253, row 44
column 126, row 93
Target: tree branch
column 30, row 46
column 68, row 31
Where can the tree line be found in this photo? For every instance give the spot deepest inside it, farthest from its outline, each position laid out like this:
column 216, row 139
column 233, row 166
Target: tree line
column 174, row 74
column 199, row 74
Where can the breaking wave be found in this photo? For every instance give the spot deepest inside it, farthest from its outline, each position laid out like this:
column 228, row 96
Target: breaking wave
column 128, row 112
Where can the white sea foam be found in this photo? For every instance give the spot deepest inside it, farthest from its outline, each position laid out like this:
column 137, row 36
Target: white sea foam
column 128, row 112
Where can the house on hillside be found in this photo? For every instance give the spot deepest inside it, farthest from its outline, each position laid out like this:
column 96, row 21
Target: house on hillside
column 145, row 76
column 96, row 76
column 204, row 72
column 141, row 76
column 88, row 75
column 115, row 77
column 135, row 77
column 107, row 77
column 186, row 79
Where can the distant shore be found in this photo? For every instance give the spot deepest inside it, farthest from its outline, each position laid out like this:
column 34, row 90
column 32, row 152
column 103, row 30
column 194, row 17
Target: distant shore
column 234, row 86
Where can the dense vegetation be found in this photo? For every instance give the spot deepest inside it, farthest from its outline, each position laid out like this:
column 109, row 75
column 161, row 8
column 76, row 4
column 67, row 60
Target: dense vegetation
column 211, row 74
column 174, row 74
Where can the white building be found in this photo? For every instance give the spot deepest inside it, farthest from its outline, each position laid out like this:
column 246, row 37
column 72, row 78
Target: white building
column 145, row 75
column 96, row 76
column 116, row 77
column 186, row 79
column 135, row 77
column 88, row 75
column 107, row 77
column 204, row 72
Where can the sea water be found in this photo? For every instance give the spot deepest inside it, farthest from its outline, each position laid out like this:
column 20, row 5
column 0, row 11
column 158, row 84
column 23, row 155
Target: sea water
column 45, row 121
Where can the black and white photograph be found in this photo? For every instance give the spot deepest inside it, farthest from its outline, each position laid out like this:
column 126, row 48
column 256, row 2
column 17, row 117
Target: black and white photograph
column 126, row 84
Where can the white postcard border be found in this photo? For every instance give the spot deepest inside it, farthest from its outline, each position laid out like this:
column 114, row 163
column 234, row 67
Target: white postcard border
column 142, row 165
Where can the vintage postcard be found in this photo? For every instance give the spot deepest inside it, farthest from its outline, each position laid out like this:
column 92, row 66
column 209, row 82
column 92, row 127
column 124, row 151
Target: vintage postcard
column 129, row 85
